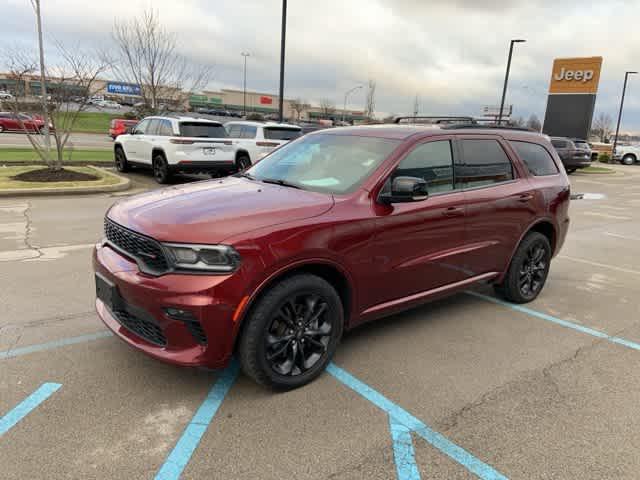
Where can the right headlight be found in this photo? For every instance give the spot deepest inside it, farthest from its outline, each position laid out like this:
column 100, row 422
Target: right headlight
column 202, row 258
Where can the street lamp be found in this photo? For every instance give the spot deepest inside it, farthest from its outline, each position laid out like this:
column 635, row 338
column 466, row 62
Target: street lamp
column 348, row 92
column 506, row 77
column 283, row 35
column 245, row 55
column 624, row 89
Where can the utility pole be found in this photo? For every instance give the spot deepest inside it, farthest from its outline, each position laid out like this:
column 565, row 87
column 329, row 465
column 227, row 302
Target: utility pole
column 282, row 45
column 624, row 89
column 506, row 77
column 43, row 85
column 348, row 92
column 244, row 108
column 416, row 106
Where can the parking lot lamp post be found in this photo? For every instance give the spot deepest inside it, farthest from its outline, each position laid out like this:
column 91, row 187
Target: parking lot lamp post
column 506, row 77
column 624, row 89
column 244, row 108
column 282, row 45
column 348, row 92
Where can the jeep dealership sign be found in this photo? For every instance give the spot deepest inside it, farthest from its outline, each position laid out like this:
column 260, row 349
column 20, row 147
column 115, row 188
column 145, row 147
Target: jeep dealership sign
column 572, row 96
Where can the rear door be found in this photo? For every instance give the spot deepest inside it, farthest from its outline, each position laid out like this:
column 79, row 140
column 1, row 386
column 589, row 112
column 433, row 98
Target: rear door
column 499, row 202
column 148, row 141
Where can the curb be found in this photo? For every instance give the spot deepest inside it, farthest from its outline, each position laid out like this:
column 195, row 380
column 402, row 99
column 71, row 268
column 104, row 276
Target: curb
column 124, row 184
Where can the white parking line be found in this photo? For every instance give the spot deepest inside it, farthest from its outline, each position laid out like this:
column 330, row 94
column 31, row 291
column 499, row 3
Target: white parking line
column 598, row 264
column 41, row 254
column 606, row 215
column 626, row 237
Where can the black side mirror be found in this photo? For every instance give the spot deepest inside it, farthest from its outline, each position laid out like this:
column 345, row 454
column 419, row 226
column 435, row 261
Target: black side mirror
column 131, row 130
column 405, row 189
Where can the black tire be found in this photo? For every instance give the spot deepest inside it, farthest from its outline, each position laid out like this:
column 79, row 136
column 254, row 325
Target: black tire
column 161, row 171
column 275, row 331
column 1, row 129
column 243, row 162
column 528, row 270
column 570, row 170
column 628, row 159
column 122, row 165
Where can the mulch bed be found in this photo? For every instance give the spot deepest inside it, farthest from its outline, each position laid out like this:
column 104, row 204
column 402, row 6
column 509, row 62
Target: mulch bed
column 46, row 175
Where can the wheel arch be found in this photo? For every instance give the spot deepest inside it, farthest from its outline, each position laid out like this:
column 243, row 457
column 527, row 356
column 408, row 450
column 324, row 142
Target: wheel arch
column 325, row 269
column 158, row 150
column 242, row 152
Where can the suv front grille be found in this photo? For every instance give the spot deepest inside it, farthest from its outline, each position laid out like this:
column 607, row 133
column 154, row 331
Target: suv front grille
column 141, row 327
column 148, row 253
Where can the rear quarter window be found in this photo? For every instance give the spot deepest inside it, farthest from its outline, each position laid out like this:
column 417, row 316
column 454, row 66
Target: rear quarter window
column 202, row 130
column 537, row 159
column 279, row 133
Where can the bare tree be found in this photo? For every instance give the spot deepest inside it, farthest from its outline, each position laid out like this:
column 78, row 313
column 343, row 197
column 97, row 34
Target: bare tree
column 370, row 105
column 298, row 106
column 327, row 107
column 602, row 127
column 147, row 56
column 517, row 122
column 71, row 83
column 534, row 123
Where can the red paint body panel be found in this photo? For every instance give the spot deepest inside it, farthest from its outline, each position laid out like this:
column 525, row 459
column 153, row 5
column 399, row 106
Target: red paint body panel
column 391, row 256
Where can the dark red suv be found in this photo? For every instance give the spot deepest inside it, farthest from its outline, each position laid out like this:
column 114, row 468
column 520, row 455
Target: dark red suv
column 332, row 230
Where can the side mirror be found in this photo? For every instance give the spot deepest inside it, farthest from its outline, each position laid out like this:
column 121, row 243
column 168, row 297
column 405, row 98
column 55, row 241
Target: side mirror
column 131, row 130
column 405, row 189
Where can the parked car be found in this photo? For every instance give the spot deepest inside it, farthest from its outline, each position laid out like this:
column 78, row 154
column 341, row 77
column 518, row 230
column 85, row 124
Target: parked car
column 627, row 154
column 334, row 229
column 574, row 153
column 179, row 144
column 119, row 126
column 19, row 122
column 108, row 104
column 5, row 96
column 258, row 139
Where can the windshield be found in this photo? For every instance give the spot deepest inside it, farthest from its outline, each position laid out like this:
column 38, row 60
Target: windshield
column 202, row 130
column 325, row 163
column 581, row 145
column 280, row 133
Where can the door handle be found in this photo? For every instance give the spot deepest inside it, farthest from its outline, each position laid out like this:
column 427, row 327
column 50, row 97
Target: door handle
column 453, row 212
column 525, row 197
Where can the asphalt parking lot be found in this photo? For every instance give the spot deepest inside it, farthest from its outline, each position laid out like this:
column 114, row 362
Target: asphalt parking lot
column 468, row 387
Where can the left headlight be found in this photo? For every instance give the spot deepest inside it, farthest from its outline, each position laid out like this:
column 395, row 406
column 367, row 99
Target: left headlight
column 205, row 258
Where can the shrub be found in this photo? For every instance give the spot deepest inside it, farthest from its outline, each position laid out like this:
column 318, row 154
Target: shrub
column 604, row 158
column 255, row 117
column 130, row 115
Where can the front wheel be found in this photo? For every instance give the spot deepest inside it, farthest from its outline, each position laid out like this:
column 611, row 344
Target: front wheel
column 528, row 270
column 292, row 332
column 628, row 159
column 121, row 161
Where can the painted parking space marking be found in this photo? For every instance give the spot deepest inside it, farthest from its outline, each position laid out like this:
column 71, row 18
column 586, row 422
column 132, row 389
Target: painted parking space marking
column 598, row 264
column 413, row 424
column 16, row 352
column 625, row 237
column 179, row 457
column 606, row 215
column 558, row 321
column 26, row 406
column 403, row 453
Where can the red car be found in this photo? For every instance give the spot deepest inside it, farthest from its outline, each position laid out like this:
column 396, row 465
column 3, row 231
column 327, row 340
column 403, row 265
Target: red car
column 332, row 230
column 119, row 126
column 14, row 122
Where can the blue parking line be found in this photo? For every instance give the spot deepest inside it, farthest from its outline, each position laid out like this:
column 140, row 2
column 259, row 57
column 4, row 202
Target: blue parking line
column 16, row 352
column 403, row 453
column 177, row 460
column 27, row 405
column 439, row 441
column 558, row 321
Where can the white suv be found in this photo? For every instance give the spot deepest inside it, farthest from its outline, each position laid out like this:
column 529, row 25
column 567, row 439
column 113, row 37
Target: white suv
column 256, row 139
column 179, row 144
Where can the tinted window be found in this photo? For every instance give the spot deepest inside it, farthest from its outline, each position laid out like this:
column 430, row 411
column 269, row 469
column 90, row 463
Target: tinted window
column 279, row 133
column 165, row 128
column 559, row 143
column 431, row 161
column 202, row 130
column 536, row 158
column 325, row 163
column 582, row 145
column 234, row 131
column 141, row 128
column 248, row 131
column 153, row 127
column 485, row 163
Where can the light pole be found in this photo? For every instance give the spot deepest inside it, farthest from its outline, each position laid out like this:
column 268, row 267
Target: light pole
column 506, row 77
column 282, row 44
column 347, row 93
column 624, row 89
column 43, row 86
column 244, row 108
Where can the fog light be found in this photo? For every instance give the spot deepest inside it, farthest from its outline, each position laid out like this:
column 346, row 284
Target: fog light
column 179, row 314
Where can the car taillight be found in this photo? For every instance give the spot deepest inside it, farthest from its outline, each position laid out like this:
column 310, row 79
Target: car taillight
column 267, row 144
column 180, row 141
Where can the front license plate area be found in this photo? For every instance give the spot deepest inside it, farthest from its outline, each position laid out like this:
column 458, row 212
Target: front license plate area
column 107, row 292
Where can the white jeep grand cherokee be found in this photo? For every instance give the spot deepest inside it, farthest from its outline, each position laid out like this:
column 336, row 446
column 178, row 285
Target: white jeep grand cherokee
column 179, row 144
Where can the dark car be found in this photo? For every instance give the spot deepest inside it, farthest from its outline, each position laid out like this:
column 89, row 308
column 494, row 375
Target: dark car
column 332, row 230
column 573, row 152
column 20, row 122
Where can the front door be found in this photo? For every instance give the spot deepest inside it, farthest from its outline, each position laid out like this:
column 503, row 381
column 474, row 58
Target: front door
column 418, row 246
column 134, row 144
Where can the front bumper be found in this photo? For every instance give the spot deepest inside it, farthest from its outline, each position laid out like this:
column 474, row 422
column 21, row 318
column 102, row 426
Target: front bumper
column 577, row 162
column 212, row 300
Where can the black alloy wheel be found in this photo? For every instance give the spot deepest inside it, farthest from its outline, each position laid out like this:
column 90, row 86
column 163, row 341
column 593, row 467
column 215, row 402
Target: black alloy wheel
column 161, row 169
column 121, row 161
column 533, row 270
column 243, row 163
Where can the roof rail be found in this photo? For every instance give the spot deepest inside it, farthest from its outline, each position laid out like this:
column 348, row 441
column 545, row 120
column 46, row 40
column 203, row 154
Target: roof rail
column 488, row 126
column 434, row 120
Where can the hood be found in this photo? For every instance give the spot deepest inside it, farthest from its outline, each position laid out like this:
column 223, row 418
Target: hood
column 214, row 210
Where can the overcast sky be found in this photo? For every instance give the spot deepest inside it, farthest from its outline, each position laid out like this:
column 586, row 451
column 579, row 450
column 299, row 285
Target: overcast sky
column 452, row 54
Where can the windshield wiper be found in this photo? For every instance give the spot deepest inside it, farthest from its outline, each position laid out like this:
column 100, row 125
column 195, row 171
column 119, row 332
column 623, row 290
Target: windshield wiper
column 278, row 181
column 245, row 175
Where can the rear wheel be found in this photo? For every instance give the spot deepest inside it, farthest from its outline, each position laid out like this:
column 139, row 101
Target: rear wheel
column 629, row 159
column 161, row 170
column 528, row 270
column 243, row 162
column 121, row 161
column 1, row 128
column 292, row 332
